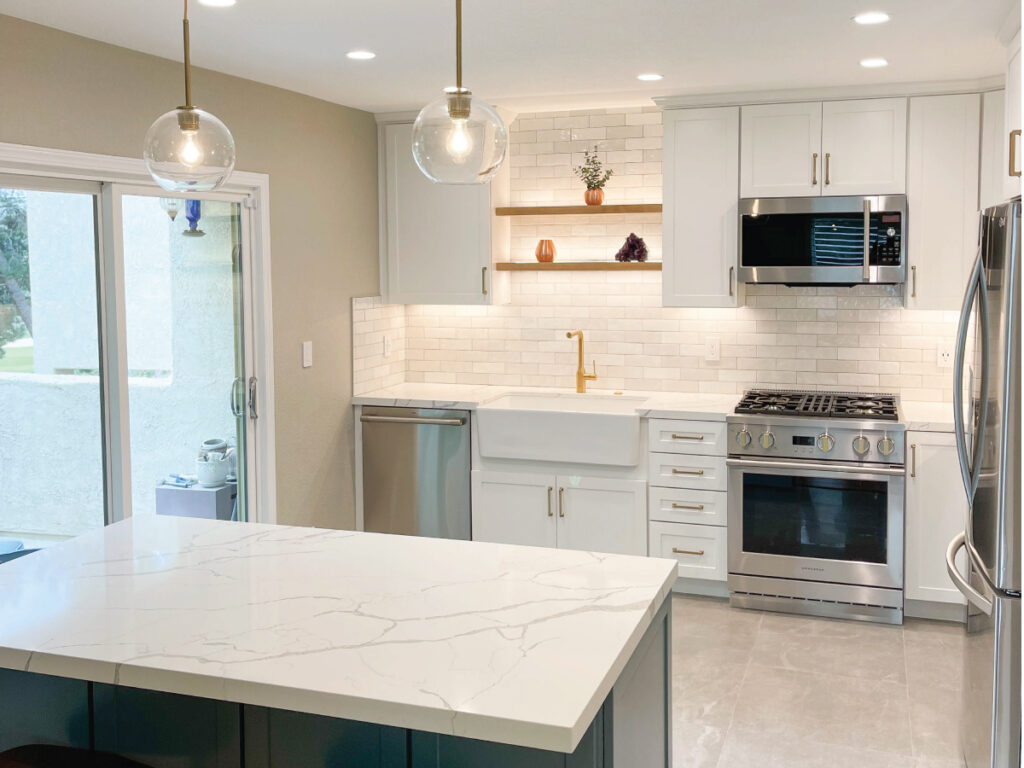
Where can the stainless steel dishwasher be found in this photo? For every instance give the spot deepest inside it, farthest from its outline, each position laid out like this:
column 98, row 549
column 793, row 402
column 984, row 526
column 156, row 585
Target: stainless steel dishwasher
column 416, row 471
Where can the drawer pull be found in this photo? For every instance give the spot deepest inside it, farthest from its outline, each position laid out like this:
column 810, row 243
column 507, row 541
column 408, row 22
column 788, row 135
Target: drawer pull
column 697, row 507
column 687, row 471
column 678, row 551
column 687, row 437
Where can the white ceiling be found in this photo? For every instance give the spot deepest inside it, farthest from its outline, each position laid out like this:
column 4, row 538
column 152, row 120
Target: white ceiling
column 528, row 54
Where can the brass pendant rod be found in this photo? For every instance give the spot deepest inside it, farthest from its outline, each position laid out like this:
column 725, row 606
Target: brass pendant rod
column 188, row 63
column 458, row 44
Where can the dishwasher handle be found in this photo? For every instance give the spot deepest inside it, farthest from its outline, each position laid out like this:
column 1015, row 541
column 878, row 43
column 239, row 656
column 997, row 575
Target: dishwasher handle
column 459, row 422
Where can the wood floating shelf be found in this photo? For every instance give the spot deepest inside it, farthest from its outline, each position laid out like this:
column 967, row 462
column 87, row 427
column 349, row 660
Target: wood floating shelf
column 587, row 266
column 576, row 210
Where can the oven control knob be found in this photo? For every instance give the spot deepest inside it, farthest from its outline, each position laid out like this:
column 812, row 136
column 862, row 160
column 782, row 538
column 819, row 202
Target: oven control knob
column 861, row 445
column 766, row 440
column 743, row 438
column 826, row 442
column 886, row 446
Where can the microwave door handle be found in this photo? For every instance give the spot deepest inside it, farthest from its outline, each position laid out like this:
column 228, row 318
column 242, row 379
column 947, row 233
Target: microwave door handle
column 867, row 240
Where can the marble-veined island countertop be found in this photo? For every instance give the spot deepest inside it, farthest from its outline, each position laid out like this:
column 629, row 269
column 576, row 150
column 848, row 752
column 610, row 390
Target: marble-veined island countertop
column 517, row 645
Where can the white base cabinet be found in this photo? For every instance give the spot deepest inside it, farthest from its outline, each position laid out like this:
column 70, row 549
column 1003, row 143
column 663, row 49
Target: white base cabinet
column 936, row 507
column 566, row 511
column 700, row 550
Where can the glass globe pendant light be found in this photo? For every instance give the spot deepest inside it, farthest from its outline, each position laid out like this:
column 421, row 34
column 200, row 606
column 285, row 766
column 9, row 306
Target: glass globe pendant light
column 458, row 139
column 188, row 149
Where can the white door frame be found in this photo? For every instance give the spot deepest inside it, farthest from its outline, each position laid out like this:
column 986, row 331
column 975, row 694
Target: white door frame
column 252, row 190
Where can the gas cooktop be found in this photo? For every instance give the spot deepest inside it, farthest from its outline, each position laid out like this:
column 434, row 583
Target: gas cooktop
column 843, row 405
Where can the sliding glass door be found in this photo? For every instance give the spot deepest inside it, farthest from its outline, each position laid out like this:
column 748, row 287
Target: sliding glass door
column 51, row 419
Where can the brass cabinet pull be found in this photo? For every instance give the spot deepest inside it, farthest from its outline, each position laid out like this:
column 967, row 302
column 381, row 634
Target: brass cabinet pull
column 687, row 437
column 550, row 511
column 561, row 505
column 1013, row 152
column 679, row 551
column 814, row 169
column 483, row 280
column 732, row 273
column 913, row 282
column 913, row 460
column 687, row 471
column 696, row 507
column 828, row 167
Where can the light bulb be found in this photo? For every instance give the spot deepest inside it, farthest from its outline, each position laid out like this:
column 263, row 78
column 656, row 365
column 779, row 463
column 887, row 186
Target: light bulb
column 459, row 143
column 190, row 154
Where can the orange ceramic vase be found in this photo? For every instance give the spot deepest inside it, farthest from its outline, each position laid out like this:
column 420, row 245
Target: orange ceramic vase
column 594, row 196
column 545, row 251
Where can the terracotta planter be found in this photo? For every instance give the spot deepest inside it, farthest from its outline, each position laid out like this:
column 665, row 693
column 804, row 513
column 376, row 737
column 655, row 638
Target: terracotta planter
column 594, row 196
column 545, row 251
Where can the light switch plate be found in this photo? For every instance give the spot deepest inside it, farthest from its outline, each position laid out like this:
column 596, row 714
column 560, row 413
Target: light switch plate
column 307, row 354
column 944, row 355
column 712, row 349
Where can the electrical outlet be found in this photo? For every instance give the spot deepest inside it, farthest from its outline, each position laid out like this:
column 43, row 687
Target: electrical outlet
column 712, row 349
column 944, row 356
column 307, row 354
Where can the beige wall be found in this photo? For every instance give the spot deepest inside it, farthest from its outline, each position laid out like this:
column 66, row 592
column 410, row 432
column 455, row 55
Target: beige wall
column 68, row 92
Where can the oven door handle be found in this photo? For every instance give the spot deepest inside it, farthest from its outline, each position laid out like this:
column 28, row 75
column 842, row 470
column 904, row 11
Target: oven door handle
column 810, row 466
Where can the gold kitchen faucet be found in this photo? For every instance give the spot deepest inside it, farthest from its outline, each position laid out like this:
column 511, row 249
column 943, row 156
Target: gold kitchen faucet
column 582, row 377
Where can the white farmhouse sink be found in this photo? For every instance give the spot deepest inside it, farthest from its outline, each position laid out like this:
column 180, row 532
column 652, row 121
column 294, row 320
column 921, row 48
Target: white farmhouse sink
column 577, row 429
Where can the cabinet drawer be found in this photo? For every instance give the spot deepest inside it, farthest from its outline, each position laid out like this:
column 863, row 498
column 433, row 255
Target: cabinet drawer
column 682, row 505
column 699, row 549
column 676, row 470
column 701, row 438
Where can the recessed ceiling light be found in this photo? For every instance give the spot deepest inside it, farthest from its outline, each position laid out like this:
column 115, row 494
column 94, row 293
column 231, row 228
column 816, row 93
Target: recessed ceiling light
column 871, row 17
column 217, row 3
column 649, row 77
column 361, row 55
column 874, row 63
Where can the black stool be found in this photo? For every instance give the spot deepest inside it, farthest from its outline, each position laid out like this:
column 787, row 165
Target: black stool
column 45, row 756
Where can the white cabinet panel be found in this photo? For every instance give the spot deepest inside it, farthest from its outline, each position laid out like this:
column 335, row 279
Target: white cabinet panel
column 700, row 161
column 437, row 247
column 510, row 508
column 602, row 515
column 864, row 144
column 705, row 438
column 1011, row 183
column 942, row 195
column 781, row 150
column 993, row 148
column 700, row 550
column 936, row 512
column 682, row 471
column 684, row 505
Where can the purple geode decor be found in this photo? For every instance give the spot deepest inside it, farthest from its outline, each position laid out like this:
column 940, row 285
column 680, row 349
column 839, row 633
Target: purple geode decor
column 634, row 249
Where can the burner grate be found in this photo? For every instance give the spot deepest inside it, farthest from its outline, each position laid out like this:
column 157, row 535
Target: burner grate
column 836, row 404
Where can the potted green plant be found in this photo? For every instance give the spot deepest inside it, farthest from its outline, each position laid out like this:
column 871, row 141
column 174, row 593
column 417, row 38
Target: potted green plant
column 592, row 174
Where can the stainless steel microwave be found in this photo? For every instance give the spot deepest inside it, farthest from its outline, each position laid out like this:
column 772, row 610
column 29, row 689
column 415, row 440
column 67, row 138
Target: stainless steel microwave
column 823, row 240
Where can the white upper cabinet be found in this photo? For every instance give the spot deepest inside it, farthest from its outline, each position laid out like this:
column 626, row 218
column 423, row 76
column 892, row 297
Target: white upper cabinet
column 942, row 196
column 699, row 218
column 832, row 148
column 1011, row 136
column 993, row 149
column 437, row 240
column 865, row 146
column 781, row 150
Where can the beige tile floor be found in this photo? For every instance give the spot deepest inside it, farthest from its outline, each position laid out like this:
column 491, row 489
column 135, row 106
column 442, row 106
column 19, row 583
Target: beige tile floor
column 771, row 690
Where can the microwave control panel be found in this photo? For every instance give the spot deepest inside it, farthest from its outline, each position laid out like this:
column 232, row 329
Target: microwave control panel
column 886, row 250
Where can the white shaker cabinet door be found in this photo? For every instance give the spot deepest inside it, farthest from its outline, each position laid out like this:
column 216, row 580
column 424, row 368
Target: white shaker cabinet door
column 942, row 196
column 602, row 515
column 780, row 150
column 936, row 512
column 513, row 508
column 1011, row 137
column 437, row 237
column 865, row 147
column 993, row 149
column 701, row 153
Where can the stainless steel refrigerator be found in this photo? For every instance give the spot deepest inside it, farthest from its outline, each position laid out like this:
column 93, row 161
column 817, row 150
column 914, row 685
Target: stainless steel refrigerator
column 987, row 406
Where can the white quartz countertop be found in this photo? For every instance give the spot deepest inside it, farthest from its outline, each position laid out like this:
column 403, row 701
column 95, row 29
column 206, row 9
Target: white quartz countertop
column 665, row 405
column 927, row 417
column 518, row 645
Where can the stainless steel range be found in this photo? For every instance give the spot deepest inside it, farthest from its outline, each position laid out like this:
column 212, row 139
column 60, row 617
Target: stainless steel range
column 816, row 483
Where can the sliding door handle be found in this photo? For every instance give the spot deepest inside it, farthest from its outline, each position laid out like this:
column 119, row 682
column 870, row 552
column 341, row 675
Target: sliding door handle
column 236, row 409
column 252, row 398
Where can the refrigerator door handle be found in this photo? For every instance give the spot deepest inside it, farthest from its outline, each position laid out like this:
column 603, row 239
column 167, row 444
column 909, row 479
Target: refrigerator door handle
column 979, row 566
column 969, row 469
column 973, row 596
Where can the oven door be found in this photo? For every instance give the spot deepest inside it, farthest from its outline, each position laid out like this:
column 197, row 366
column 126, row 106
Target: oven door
column 837, row 523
